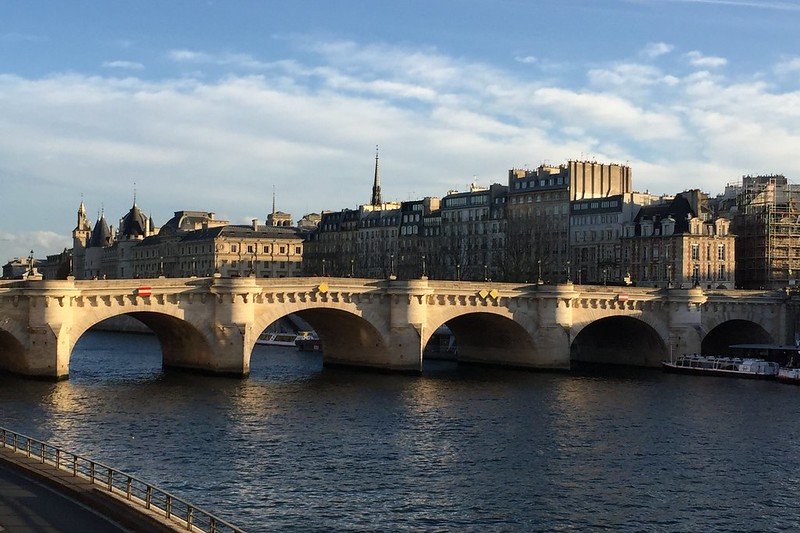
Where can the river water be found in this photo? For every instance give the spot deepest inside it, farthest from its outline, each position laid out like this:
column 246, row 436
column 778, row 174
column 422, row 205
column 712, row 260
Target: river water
column 460, row 448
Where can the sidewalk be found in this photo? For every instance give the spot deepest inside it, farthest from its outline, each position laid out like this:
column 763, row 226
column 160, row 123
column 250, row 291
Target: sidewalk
column 27, row 505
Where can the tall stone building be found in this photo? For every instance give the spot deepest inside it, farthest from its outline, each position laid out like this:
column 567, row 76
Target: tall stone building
column 595, row 229
column 538, row 214
column 414, row 237
column 472, row 240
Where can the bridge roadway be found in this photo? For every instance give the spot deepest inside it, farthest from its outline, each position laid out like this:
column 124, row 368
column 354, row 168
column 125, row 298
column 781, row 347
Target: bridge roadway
column 212, row 324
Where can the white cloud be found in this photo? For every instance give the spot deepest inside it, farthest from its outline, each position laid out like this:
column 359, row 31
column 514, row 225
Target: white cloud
column 653, row 50
column 527, row 60
column 626, row 75
column 15, row 37
column 758, row 4
column 697, row 59
column 788, row 66
column 129, row 65
column 41, row 242
column 245, row 61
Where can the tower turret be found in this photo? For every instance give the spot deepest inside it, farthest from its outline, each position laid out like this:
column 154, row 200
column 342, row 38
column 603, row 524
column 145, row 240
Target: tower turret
column 80, row 239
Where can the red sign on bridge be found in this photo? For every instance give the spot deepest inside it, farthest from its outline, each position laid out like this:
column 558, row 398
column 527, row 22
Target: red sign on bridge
column 144, row 291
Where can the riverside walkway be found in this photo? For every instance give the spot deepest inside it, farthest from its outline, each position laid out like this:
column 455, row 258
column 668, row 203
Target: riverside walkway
column 100, row 498
column 28, row 505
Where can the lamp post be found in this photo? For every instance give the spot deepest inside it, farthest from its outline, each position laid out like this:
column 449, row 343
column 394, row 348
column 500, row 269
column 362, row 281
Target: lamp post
column 161, row 266
column 669, row 276
column 605, row 276
column 391, row 267
column 485, row 272
column 539, row 280
column 424, row 270
column 569, row 272
column 323, row 267
column 352, row 268
column 194, row 267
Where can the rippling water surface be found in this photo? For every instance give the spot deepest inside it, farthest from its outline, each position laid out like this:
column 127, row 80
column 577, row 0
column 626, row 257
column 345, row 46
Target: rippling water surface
column 461, row 448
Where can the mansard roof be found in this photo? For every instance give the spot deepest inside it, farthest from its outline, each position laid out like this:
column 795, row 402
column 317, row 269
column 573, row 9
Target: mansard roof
column 235, row 231
column 679, row 209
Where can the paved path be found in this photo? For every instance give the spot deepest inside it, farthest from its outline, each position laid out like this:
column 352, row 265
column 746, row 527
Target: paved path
column 27, row 505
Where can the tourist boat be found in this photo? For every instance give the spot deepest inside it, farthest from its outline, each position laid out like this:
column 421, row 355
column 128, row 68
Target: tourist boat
column 722, row 366
column 277, row 339
column 307, row 341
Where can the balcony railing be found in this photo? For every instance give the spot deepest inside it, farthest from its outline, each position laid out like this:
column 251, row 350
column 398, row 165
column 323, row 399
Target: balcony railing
column 137, row 492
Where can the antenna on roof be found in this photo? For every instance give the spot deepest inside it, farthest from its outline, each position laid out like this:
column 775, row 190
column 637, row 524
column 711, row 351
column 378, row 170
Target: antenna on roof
column 134, row 193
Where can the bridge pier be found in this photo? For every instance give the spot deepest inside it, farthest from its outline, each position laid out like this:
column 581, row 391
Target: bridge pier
column 233, row 335
column 50, row 317
column 685, row 321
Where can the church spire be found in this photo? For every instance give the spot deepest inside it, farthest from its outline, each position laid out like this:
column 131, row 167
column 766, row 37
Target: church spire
column 376, row 184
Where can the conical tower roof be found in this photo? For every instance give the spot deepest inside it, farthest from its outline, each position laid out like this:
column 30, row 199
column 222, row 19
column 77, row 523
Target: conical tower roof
column 101, row 234
column 133, row 224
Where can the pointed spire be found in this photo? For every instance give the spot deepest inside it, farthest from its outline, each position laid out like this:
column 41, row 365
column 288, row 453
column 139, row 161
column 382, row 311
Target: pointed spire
column 376, row 184
column 83, row 222
column 134, row 194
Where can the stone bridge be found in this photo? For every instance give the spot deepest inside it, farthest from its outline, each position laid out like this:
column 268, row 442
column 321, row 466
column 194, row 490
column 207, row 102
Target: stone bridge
column 211, row 324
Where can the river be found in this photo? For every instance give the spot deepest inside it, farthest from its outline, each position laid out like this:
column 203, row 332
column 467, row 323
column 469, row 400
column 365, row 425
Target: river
column 460, row 448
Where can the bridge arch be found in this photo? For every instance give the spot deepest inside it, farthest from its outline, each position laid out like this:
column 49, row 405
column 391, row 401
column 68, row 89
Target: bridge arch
column 488, row 336
column 183, row 344
column 622, row 340
column 12, row 352
column 735, row 331
column 348, row 335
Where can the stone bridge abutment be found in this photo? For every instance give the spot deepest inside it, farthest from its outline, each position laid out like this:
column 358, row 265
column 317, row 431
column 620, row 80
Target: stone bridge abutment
column 212, row 324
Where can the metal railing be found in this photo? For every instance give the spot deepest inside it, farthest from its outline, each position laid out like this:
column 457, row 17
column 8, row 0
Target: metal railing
column 137, row 492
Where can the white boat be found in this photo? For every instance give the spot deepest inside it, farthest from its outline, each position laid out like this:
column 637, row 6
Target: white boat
column 277, row 339
column 722, row 366
column 787, row 355
column 789, row 375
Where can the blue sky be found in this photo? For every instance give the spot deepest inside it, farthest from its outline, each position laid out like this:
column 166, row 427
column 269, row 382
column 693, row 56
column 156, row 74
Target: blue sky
column 207, row 105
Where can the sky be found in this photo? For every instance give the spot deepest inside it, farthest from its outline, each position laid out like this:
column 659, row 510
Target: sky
column 209, row 105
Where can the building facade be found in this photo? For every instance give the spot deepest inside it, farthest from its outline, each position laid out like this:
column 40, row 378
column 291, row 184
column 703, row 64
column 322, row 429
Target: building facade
column 191, row 243
column 767, row 226
column 538, row 214
column 667, row 245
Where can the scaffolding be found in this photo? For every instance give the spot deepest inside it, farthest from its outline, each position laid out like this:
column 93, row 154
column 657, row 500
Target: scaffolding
column 767, row 227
